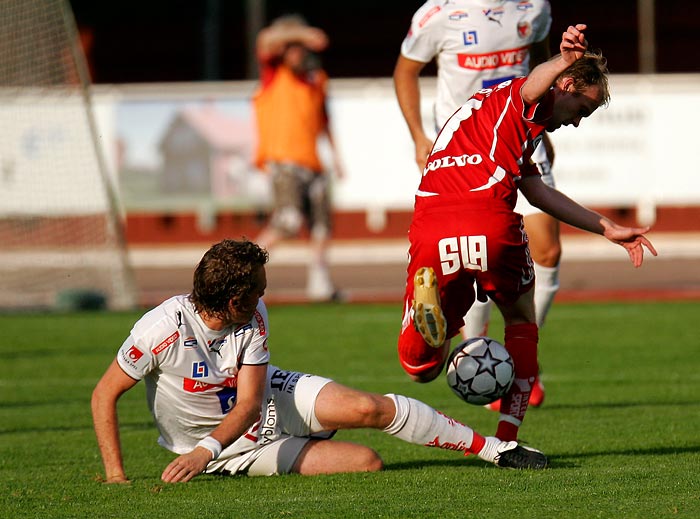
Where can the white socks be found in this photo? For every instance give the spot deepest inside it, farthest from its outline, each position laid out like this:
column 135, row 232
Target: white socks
column 416, row 422
column 319, row 286
column 476, row 322
column 490, row 449
column 546, row 287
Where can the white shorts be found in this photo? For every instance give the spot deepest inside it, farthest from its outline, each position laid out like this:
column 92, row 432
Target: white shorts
column 287, row 425
column 539, row 157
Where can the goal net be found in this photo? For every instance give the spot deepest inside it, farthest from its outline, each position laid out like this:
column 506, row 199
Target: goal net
column 61, row 239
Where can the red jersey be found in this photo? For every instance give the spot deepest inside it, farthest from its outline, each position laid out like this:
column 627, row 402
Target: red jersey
column 485, row 147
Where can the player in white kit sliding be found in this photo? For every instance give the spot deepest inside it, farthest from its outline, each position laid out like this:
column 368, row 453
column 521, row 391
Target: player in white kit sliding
column 220, row 405
column 478, row 44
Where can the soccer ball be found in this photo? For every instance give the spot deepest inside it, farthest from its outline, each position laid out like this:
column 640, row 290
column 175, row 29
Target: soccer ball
column 480, row 370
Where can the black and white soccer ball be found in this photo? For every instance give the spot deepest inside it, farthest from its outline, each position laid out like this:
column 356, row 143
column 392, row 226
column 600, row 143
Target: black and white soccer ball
column 480, row 370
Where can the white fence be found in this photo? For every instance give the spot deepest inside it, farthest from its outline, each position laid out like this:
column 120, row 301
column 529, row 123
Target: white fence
column 639, row 151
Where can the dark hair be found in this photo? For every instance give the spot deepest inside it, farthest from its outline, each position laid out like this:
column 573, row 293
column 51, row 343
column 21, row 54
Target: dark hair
column 591, row 69
column 225, row 273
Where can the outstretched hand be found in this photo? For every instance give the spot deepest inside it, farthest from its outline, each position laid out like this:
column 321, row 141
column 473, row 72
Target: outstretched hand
column 632, row 239
column 185, row 467
column 573, row 43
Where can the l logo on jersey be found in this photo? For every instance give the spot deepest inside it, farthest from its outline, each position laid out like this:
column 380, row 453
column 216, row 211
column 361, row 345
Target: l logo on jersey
column 470, row 38
column 200, row 369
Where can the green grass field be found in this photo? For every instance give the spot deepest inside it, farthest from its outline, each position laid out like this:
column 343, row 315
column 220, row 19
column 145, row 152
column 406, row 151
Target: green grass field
column 620, row 423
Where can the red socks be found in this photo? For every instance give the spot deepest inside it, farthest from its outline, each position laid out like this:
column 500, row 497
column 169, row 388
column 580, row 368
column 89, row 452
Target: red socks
column 521, row 341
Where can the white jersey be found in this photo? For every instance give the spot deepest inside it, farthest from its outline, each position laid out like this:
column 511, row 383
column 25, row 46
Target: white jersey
column 191, row 371
column 478, row 43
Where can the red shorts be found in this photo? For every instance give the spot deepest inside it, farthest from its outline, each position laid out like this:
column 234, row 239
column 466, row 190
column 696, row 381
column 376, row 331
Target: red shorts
column 463, row 241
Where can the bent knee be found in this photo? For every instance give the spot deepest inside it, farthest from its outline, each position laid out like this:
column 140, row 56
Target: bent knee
column 372, row 462
column 547, row 256
column 373, row 410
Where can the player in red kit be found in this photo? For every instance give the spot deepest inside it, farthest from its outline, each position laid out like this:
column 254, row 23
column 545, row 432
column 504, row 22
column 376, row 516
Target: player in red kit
column 464, row 228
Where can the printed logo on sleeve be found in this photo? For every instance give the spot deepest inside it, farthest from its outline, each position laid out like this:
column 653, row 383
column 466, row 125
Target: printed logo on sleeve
column 167, row 342
column 131, row 356
column 428, row 16
column 134, row 353
column 261, row 322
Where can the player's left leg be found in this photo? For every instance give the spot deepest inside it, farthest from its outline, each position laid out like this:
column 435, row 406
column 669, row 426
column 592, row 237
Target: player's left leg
column 333, row 457
column 319, row 285
column 287, row 218
column 545, row 248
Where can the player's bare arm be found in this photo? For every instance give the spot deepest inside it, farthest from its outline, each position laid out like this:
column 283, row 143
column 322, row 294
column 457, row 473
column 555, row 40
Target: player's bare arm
column 539, row 53
column 568, row 211
column 573, row 46
column 407, row 87
column 113, row 384
column 251, row 388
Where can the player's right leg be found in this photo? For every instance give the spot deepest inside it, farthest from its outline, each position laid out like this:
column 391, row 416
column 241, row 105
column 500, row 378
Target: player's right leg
column 341, row 407
column 521, row 338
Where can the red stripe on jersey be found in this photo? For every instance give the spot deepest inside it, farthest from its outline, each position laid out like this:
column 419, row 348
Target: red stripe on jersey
column 167, row 342
column 428, row 16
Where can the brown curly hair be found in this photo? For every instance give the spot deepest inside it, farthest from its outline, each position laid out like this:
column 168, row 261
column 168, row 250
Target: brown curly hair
column 224, row 274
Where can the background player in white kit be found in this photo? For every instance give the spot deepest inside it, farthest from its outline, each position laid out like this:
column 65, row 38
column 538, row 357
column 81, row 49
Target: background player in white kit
column 218, row 403
column 478, row 44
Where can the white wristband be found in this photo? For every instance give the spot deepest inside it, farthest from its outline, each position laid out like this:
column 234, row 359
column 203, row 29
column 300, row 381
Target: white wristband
column 211, row 444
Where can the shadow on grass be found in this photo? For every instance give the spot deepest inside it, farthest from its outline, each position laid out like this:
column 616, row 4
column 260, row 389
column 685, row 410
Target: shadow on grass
column 459, row 461
column 655, row 451
column 129, row 426
column 613, row 405
column 560, row 461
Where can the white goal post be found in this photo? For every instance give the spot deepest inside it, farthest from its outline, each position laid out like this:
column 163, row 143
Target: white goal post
column 61, row 232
